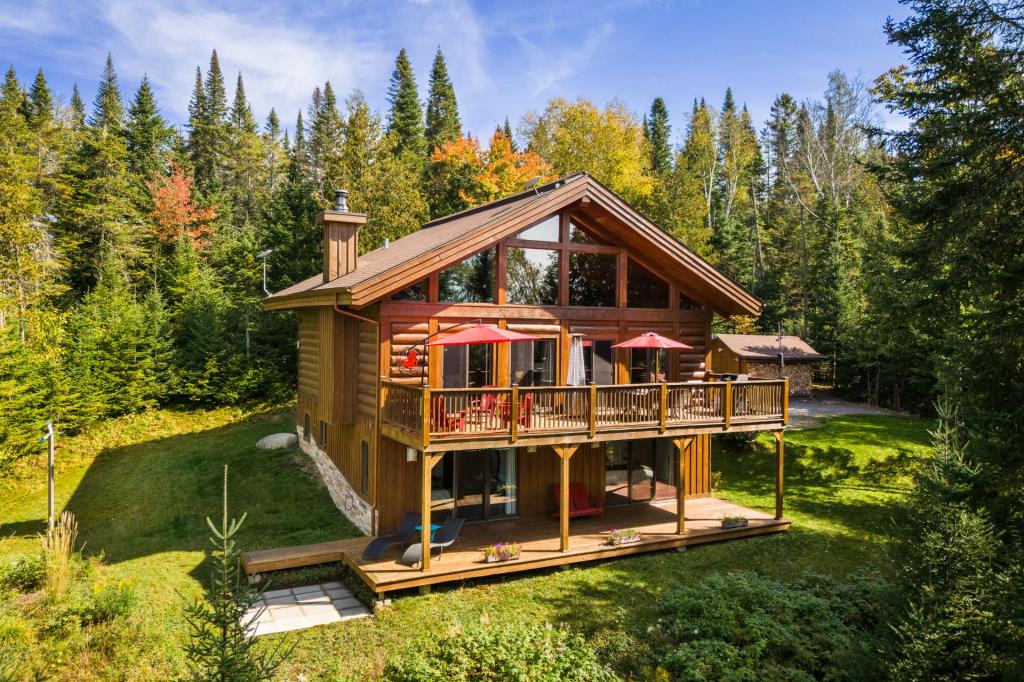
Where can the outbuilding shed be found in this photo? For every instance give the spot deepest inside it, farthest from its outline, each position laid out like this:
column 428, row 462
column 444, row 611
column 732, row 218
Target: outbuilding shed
column 757, row 356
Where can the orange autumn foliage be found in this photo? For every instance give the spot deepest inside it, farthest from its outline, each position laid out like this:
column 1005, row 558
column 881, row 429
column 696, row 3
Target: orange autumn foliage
column 175, row 214
column 492, row 174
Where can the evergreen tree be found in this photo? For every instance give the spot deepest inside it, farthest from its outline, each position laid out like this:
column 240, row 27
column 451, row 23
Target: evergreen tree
column 208, row 132
column 299, row 157
column 39, row 102
column 443, row 124
column 657, row 131
column 147, row 133
column 507, row 130
column 220, row 646
column 77, row 108
column 405, row 121
column 108, row 108
column 326, row 137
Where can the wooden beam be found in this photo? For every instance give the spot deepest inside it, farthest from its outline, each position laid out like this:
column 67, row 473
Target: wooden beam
column 779, row 458
column 565, row 453
column 682, row 445
column 727, row 406
column 785, row 401
column 428, row 462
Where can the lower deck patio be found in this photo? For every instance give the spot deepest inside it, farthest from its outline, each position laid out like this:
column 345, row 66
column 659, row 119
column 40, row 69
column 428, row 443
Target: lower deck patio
column 540, row 542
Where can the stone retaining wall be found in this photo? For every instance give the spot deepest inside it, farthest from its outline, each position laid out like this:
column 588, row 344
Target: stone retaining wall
column 358, row 511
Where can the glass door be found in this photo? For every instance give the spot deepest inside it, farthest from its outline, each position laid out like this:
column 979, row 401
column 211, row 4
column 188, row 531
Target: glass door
column 475, row 485
column 641, row 470
column 664, row 469
column 502, row 489
column 469, row 485
column 616, row 474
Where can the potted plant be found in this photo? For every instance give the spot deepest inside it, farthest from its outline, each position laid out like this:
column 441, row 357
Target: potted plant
column 623, row 536
column 503, row 551
column 737, row 521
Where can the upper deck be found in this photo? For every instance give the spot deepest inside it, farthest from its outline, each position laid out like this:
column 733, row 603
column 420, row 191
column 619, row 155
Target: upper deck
column 443, row 419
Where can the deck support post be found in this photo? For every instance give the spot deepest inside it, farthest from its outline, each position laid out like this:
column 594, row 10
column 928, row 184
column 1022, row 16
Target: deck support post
column 682, row 445
column 429, row 461
column 779, row 459
column 565, row 453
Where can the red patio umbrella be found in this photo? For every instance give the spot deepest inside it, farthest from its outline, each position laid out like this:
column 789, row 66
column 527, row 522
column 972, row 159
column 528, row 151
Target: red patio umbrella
column 652, row 340
column 481, row 333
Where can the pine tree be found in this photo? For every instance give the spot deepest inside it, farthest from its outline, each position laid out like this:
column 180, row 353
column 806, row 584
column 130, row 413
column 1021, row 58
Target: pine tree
column 220, row 646
column 507, row 129
column 299, row 157
column 326, row 137
column 39, row 102
column 208, row 133
column 443, row 124
column 108, row 108
column 148, row 134
column 77, row 108
column 244, row 167
column 657, row 131
column 405, row 120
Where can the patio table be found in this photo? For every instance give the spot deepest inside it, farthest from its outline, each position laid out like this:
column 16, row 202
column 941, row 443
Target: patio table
column 433, row 529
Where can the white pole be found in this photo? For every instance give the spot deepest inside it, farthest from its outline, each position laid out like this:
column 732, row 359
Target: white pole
column 49, row 475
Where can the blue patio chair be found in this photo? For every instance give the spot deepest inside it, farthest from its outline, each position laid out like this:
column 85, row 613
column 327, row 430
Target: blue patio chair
column 406, row 532
column 447, row 534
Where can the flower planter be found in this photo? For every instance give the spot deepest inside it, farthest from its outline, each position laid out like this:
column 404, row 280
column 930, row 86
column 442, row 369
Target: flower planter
column 624, row 537
column 498, row 558
column 734, row 523
column 503, row 551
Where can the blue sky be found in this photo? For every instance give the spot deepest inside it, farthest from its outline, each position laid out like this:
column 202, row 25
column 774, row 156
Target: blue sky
column 504, row 58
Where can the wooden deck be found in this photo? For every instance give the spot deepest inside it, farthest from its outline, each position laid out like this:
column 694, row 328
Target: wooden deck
column 540, row 542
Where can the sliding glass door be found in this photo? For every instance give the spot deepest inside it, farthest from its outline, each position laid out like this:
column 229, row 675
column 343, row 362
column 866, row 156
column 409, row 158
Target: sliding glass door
column 639, row 471
column 476, row 485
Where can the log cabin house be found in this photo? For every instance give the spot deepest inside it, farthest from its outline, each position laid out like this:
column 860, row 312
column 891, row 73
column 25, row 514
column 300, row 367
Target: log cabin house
column 492, row 433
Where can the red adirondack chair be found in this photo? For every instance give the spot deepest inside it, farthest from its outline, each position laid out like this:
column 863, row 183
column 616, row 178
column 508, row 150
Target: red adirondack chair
column 580, row 503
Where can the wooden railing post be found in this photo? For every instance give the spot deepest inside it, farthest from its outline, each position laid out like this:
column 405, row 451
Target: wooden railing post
column 663, row 408
column 727, row 404
column 592, row 411
column 425, row 417
column 780, row 446
column 383, row 395
column 785, row 400
column 514, row 413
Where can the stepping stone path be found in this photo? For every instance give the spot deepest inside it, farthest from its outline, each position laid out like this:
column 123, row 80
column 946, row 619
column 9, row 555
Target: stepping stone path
column 303, row 607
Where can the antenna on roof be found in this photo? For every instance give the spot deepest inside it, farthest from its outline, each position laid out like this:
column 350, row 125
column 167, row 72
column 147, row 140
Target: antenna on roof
column 532, row 184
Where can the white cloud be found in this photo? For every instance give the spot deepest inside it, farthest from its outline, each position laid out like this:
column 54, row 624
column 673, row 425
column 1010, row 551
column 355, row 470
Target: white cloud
column 556, row 60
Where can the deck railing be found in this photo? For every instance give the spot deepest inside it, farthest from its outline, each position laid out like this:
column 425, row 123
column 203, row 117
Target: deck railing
column 431, row 415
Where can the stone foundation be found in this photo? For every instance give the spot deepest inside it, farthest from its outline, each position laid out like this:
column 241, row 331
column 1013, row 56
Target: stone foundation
column 799, row 374
column 355, row 508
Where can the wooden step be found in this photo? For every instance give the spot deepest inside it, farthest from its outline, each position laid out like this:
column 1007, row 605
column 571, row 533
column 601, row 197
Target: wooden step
column 262, row 560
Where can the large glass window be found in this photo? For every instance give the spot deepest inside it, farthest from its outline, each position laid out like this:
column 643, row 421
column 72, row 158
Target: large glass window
column 544, row 231
column 413, row 292
column 467, row 366
column 648, row 365
column 592, row 278
column 471, row 281
column 637, row 470
column 644, row 289
column 597, row 360
column 532, row 276
column 475, row 485
column 578, row 235
column 534, row 363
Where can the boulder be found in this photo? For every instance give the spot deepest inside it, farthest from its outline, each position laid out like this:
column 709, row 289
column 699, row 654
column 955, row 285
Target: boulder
column 276, row 441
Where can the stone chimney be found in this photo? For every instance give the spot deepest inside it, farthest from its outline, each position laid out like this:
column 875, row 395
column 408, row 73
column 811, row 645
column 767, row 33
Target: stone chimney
column 341, row 237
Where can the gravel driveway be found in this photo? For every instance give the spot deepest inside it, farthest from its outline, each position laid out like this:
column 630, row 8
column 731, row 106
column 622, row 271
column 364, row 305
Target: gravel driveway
column 807, row 412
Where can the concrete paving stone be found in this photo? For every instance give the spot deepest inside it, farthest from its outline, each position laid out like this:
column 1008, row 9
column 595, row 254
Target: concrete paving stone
column 289, row 624
column 283, row 599
column 315, row 609
column 285, row 612
column 307, row 589
column 331, row 585
column 348, row 603
column 270, row 594
column 324, row 618
column 355, row 612
column 313, row 598
column 338, row 593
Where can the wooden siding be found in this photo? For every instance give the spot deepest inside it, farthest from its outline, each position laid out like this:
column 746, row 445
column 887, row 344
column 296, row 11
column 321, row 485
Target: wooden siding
column 309, row 353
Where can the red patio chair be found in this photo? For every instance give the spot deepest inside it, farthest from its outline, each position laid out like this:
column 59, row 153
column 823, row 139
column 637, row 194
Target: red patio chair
column 580, row 504
column 443, row 421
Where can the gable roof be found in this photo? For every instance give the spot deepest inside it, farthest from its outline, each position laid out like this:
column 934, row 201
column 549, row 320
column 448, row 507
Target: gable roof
column 766, row 347
column 445, row 241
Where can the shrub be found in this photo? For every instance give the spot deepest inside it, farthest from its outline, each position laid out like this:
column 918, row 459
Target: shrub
column 741, row 626
column 25, row 575
column 499, row 653
column 59, row 556
column 110, row 600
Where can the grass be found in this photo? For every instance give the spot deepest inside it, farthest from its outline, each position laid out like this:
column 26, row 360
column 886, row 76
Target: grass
column 141, row 502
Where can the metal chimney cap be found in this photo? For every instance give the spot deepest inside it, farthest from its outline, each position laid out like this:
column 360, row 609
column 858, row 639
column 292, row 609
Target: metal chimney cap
column 340, row 201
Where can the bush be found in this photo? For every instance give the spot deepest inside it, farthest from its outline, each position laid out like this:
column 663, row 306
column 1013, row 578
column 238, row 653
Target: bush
column 24, row 575
column 740, row 626
column 110, row 600
column 500, row 653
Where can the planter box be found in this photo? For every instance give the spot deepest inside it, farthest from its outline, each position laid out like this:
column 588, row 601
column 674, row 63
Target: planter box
column 736, row 523
column 495, row 558
column 624, row 541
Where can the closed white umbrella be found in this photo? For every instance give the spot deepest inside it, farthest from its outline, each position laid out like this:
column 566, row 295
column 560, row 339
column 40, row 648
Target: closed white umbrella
column 577, row 371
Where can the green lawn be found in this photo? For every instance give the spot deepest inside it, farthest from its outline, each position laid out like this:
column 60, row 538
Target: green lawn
column 141, row 501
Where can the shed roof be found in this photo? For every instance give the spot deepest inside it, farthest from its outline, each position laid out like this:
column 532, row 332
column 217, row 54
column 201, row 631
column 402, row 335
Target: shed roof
column 445, row 241
column 766, row 347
